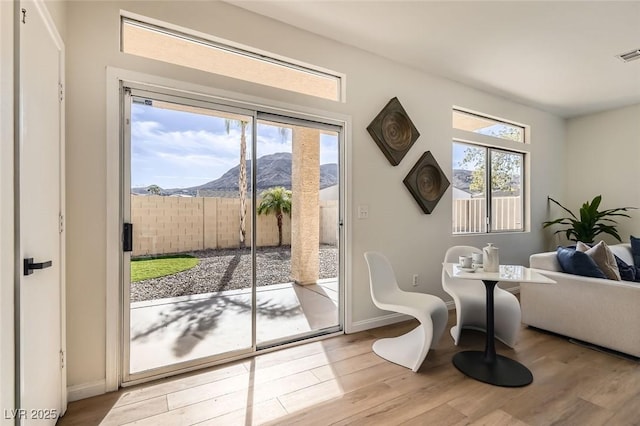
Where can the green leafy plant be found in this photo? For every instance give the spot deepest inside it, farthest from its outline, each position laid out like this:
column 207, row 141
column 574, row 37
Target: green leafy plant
column 154, row 190
column 278, row 201
column 590, row 221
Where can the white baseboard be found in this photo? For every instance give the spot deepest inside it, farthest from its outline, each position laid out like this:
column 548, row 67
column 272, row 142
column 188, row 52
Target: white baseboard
column 388, row 319
column 86, row 390
column 376, row 322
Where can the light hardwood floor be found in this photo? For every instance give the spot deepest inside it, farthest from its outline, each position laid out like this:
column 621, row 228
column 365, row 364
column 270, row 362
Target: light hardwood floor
column 341, row 381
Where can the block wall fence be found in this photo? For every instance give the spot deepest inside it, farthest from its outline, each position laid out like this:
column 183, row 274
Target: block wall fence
column 163, row 225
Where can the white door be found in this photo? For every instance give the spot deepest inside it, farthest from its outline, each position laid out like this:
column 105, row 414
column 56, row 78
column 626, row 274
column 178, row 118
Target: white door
column 40, row 335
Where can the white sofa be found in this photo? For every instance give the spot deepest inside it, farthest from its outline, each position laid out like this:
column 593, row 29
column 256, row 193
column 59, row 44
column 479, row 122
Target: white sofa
column 599, row 311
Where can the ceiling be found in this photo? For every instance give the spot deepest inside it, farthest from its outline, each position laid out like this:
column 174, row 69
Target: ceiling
column 557, row 56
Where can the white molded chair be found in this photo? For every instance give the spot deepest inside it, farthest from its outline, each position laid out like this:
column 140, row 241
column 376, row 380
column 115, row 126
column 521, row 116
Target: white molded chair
column 470, row 297
column 410, row 349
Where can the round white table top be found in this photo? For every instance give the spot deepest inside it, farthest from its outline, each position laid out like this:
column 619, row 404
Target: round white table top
column 515, row 273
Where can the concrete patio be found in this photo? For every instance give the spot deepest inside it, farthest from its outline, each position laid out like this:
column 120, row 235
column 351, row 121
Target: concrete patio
column 175, row 330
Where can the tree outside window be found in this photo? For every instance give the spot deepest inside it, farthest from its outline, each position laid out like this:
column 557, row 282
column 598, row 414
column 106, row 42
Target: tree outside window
column 488, row 186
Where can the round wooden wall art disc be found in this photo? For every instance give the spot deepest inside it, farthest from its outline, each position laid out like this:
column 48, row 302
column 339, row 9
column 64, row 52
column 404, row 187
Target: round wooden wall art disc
column 396, row 131
column 426, row 182
column 393, row 131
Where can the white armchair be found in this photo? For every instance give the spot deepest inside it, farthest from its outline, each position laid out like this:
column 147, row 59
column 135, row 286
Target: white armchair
column 471, row 303
column 410, row 349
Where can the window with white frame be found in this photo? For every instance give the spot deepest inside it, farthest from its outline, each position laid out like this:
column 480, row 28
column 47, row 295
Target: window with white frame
column 488, row 176
column 181, row 46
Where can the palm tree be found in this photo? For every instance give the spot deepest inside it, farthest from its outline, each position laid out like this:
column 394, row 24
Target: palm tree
column 242, row 179
column 278, row 201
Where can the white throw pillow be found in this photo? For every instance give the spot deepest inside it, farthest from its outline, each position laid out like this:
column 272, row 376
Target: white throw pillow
column 603, row 257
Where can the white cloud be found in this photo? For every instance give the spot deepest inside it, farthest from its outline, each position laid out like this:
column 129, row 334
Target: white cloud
column 166, row 158
column 184, row 158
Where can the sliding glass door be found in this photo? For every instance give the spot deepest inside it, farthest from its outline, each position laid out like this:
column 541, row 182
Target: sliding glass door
column 297, row 229
column 185, row 295
column 231, row 231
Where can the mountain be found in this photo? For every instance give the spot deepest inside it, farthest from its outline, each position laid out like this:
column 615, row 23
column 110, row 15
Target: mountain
column 462, row 179
column 273, row 170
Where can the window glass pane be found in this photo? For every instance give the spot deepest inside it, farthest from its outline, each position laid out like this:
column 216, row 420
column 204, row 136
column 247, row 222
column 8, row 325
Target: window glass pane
column 506, row 191
column 165, row 45
column 469, row 183
column 487, row 126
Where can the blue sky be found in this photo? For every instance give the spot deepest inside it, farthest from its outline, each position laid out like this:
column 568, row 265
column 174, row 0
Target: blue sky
column 177, row 149
column 458, row 155
column 459, row 148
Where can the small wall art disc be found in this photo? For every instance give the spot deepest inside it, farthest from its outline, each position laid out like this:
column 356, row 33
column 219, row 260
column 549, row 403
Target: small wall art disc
column 426, row 182
column 393, row 131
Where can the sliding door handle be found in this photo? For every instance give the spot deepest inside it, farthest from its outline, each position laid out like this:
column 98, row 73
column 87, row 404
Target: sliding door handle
column 30, row 265
column 127, row 237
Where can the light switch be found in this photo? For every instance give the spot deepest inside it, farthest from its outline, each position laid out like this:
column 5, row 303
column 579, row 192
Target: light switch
column 363, row 212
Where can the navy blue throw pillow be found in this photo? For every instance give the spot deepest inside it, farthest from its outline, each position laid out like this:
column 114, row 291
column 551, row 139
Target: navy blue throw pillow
column 635, row 250
column 578, row 263
column 627, row 272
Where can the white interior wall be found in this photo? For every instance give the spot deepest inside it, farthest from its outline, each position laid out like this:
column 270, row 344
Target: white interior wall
column 7, row 399
column 604, row 150
column 414, row 242
column 58, row 11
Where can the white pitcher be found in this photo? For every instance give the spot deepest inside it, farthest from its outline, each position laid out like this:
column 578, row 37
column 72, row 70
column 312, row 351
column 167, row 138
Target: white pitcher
column 490, row 258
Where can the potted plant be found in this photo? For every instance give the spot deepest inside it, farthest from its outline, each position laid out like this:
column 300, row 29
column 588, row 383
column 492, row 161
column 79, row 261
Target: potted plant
column 590, row 221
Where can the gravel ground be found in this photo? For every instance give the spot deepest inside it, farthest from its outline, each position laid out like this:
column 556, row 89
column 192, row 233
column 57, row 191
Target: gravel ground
column 229, row 270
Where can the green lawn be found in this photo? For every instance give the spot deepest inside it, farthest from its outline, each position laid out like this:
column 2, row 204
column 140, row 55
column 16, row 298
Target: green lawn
column 154, row 267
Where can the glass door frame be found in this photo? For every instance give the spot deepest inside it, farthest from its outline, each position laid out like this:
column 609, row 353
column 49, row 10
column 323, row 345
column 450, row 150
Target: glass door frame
column 256, row 112
column 292, row 120
column 128, row 94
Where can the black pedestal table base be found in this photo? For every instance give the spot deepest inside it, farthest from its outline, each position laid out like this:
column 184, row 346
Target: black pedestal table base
column 501, row 371
column 487, row 366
